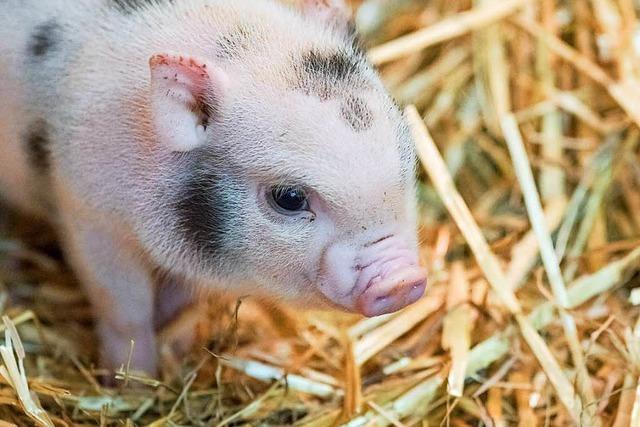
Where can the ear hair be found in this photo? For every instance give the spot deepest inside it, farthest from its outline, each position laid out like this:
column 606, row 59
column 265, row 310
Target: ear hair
column 181, row 90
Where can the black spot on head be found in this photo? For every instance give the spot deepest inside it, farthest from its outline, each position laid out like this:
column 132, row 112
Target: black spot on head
column 37, row 142
column 334, row 66
column 235, row 43
column 201, row 207
column 130, row 6
column 322, row 73
column 357, row 114
column 337, row 65
column 44, row 38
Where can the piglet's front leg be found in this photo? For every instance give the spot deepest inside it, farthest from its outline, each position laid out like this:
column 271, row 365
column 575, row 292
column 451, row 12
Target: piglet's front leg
column 120, row 289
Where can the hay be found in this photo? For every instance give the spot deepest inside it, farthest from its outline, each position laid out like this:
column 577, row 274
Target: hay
column 525, row 116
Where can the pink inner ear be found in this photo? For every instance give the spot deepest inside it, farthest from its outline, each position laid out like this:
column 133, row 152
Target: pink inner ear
column 180, row 92
column 179, row 72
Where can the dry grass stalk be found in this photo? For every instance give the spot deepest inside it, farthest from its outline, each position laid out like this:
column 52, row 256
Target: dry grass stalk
column 439, row 174
column 524, row 254
column 456, row 329
column 14, row 374
column 378, row 339
column 444, row 30
column 624, row 92
column 549, row 259
column 264, row 372
column 627, row 402
column 567, row 71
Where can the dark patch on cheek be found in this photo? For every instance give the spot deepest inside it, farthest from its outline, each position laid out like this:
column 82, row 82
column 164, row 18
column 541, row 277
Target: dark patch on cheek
column 128, row 7
column 203, row 213
column 45, row 38
column 357, row 114
column 37, row 144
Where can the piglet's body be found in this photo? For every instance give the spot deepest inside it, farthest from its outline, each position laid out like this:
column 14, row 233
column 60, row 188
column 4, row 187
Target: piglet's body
column 240, row 146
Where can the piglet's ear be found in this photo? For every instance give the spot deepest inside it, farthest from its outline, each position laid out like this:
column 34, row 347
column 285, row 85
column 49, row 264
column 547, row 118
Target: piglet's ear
column 182, row 91
column 336, row 12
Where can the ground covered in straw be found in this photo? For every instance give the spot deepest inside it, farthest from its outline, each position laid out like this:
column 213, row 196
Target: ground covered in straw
column 525, row 115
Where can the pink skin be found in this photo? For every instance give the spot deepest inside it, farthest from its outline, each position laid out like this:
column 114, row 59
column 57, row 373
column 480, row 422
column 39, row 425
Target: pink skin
column 375, row 270
column 117, row 154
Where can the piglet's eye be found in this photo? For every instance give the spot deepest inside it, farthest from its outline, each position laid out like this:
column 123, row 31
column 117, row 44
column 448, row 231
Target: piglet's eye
column 289, row 199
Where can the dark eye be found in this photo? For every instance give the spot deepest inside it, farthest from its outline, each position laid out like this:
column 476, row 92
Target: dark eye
column 290, row 199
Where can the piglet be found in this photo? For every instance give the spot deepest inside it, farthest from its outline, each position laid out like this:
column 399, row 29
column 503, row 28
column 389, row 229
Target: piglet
column 237, row 146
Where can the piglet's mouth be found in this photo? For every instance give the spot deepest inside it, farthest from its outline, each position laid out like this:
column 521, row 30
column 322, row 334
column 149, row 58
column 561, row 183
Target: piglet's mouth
column 392, row 292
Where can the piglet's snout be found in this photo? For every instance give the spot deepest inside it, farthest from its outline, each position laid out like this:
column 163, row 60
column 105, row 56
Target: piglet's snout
column 392, row 292
column 373, row 279
column 391, row 282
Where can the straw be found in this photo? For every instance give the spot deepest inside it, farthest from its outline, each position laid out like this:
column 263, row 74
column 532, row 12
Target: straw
column 527, row 215
column 439, row 174
column 444, row 30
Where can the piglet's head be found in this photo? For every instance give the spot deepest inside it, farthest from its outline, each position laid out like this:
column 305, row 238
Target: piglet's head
column 288, row 172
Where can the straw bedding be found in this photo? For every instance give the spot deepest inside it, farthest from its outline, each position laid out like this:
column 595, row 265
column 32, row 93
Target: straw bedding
column 525, row 115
